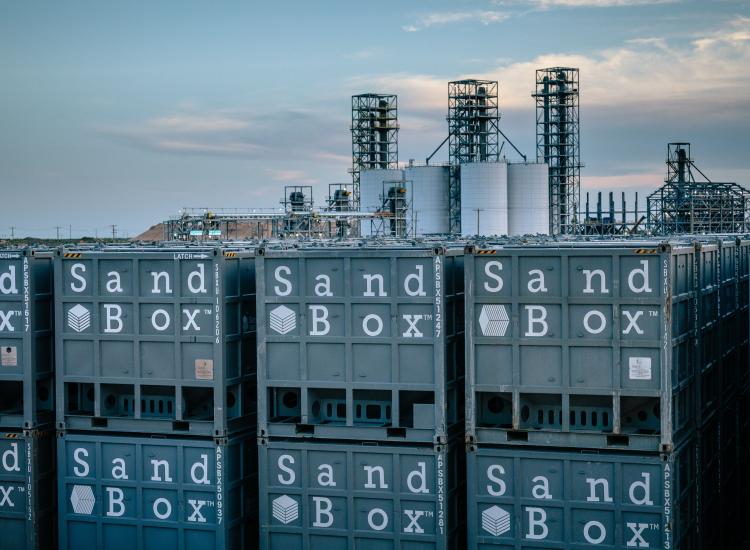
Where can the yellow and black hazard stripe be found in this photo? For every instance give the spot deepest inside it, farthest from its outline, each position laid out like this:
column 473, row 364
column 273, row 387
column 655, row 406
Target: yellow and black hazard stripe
column 230, row 254
column 486, row 252
column 72, row 255
column 645, row 251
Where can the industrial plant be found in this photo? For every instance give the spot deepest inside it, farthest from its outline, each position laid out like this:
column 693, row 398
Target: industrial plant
column 479, row 191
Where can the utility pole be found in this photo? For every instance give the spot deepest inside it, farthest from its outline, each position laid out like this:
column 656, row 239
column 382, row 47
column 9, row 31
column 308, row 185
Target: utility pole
column 12, row 232
column 478, row 210
column 57, row 229
column 114, row 231
column 70, row 232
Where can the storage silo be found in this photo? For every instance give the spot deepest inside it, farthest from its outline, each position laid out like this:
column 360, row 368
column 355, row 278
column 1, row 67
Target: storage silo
column 371, row 190
column 484, row 198
column 528, row 198
column 429, row 195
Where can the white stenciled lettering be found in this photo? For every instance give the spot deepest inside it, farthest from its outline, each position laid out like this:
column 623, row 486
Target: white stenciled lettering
column 162, row 508
column 371, row 471
column 367, row 325
column 200, row 275
column 590, row 274
column 412, row 331
column 492, row 472
column 645, row 486
column 323, row 285
column 164, row 465
column 604, row 484
column 541, row 488
column 10, row 459
column 633, row 322
column 113, row 316
column 413, row 517
column 84, row 469
column 593, row 524
column 637, row 530
column 157, row 276
column 6, row 318
column 5, row 493
column 369, row 278
column 538, row 529
column 536, row 282
column 8, row 284
column 321, row 512
column 118, row 469
column 320, row 324
column 196, row 515
column 642, row 273
column 160, row 320
column 116, row 499
column 537, row 316
column 190, row 323
column 417, row 278
column 282, row 464
column 76, row 271
column 114, row 283
column 284, row 288
column 495, row 276
column 599, row 326
column 375, row 523
column 202, row 466
column 325, row 476
column 421, row 475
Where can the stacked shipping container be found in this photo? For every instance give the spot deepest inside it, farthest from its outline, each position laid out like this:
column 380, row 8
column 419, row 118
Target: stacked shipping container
column 27, row 457
column 589, row 371
column 155, row 371
column 360, row 377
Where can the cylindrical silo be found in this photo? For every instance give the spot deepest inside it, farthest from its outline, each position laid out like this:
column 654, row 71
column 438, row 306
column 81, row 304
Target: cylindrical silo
column 428, row 211
column 528, row 199
column 371, row 191
column 484, row 198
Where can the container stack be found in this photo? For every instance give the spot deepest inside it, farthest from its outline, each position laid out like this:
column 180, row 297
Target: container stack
column 360, row 375
column 598, row 411
column 27, row 441
column 155, row 397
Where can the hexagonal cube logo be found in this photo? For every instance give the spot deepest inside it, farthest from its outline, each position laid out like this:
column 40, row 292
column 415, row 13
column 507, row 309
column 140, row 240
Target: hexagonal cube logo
column 496, row 521
column 283, row 320
column 82, row 498
column 79, row 318
column 494, row 320
column 285, row 509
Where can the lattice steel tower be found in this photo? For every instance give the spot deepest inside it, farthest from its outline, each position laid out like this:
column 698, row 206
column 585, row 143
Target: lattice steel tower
column 473, row 134
column 558, row 137
column 374, row 135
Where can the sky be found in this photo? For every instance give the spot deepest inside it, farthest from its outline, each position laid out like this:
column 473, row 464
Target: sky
column 124, row 112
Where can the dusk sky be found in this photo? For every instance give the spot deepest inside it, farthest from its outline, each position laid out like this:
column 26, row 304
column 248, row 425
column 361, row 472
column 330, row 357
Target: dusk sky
column 124, row 112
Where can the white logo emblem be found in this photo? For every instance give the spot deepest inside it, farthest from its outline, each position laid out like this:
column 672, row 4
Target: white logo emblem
column 83, row 500
column 79, row 318
column 285, row 509
column 494, row 320
column 495, row 520
column 283, row 320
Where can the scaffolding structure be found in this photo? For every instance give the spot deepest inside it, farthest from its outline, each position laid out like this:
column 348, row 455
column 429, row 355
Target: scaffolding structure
column 686, row 205
column 391, row 219
column 558, row 137
column 340, row 200
column 473, row 134
column 374, row 135
column 612, row 220
column 298, row 204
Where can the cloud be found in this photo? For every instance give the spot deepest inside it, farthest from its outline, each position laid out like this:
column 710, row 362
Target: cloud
column 485, row 17
column 291, row 176
column 546, row 4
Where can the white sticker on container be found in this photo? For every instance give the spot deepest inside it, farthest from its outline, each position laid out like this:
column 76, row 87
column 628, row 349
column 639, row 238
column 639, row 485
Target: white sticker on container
column 204, row 369
column 640, row 368
column 9, row 356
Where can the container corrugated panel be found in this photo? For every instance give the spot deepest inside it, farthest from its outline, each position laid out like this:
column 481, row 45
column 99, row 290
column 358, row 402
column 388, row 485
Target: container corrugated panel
column 156, row 341
column 587, row 345
column 361, row 343
column 26, row 342
column 519, row 498
column 27, row 490
column 343, row 496
column 137, row 493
